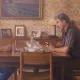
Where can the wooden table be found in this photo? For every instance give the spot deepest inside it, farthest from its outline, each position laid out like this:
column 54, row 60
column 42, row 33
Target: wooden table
column 12, row 59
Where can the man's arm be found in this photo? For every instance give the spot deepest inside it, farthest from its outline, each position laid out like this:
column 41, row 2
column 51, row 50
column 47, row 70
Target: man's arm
column 68, row 42
column 62, row 49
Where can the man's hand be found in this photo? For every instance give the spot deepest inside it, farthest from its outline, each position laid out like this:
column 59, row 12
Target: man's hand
column 51, row 48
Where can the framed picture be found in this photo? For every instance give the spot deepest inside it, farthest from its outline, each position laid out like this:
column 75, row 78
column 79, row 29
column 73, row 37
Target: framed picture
column 21, row 9
column 36, row 34
column 6, row 32
column 20, row 31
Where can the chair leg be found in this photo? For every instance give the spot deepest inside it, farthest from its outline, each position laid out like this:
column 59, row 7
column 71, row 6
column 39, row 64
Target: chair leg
column 62, row 71
column 15, row 74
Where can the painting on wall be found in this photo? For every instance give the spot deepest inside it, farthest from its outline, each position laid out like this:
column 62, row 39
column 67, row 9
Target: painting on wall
column 24, row 9
column 6, row 33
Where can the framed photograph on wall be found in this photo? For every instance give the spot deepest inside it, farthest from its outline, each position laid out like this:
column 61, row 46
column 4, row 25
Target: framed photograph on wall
column 6, row 32
column 36, row 34
column 21, row 9
column 20, row 31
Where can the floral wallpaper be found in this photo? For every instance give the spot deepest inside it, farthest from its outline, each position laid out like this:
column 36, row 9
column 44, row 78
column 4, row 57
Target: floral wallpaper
column 51, row 8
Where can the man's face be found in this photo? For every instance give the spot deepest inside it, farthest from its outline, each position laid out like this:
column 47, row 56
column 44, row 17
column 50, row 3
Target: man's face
column 60, row 24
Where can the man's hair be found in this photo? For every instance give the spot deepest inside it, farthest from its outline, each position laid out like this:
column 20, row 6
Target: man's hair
column 63, row 16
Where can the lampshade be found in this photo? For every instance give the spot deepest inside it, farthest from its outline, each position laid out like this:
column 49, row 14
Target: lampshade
column 51, row 22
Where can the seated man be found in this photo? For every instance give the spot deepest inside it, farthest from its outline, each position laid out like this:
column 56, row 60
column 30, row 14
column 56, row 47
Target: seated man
column 74, row 49
column 64, row 23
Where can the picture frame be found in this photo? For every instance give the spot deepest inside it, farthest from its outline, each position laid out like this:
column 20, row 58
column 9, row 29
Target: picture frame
column 21, row 9
column 36, row 34
column 20, row 31
column 6, row 33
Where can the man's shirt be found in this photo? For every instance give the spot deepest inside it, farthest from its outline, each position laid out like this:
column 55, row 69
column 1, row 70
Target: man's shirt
column 74, row 46
column 67, row 38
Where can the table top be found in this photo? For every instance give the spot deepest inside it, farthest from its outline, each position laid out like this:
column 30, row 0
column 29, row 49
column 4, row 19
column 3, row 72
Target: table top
column 15, row 57
column 17, row 54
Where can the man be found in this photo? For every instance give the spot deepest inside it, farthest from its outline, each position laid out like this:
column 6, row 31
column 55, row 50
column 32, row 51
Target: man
column 63, row 22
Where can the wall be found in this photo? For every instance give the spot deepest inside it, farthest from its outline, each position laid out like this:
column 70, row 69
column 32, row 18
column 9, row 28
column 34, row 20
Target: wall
column 51, row 9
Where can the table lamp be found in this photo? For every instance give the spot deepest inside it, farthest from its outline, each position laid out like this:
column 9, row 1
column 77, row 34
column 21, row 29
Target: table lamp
column 52, row 23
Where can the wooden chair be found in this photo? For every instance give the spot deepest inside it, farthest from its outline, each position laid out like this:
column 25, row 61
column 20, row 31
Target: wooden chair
column 6, row 44
column 39, row 59
column 49, row 40
column 20, row 43
column 6, row 40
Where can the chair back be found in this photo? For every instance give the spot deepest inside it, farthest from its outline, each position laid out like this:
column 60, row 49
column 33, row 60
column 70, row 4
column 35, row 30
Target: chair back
column 7, row 41
column 6, row 44
column 49, row 40
column 35, row 58
column 20, row 43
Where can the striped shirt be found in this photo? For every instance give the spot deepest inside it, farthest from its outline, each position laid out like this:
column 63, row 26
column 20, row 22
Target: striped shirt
column 67, row 38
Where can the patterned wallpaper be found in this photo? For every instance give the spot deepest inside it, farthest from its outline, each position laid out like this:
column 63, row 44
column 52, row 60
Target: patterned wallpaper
column 50, row 10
